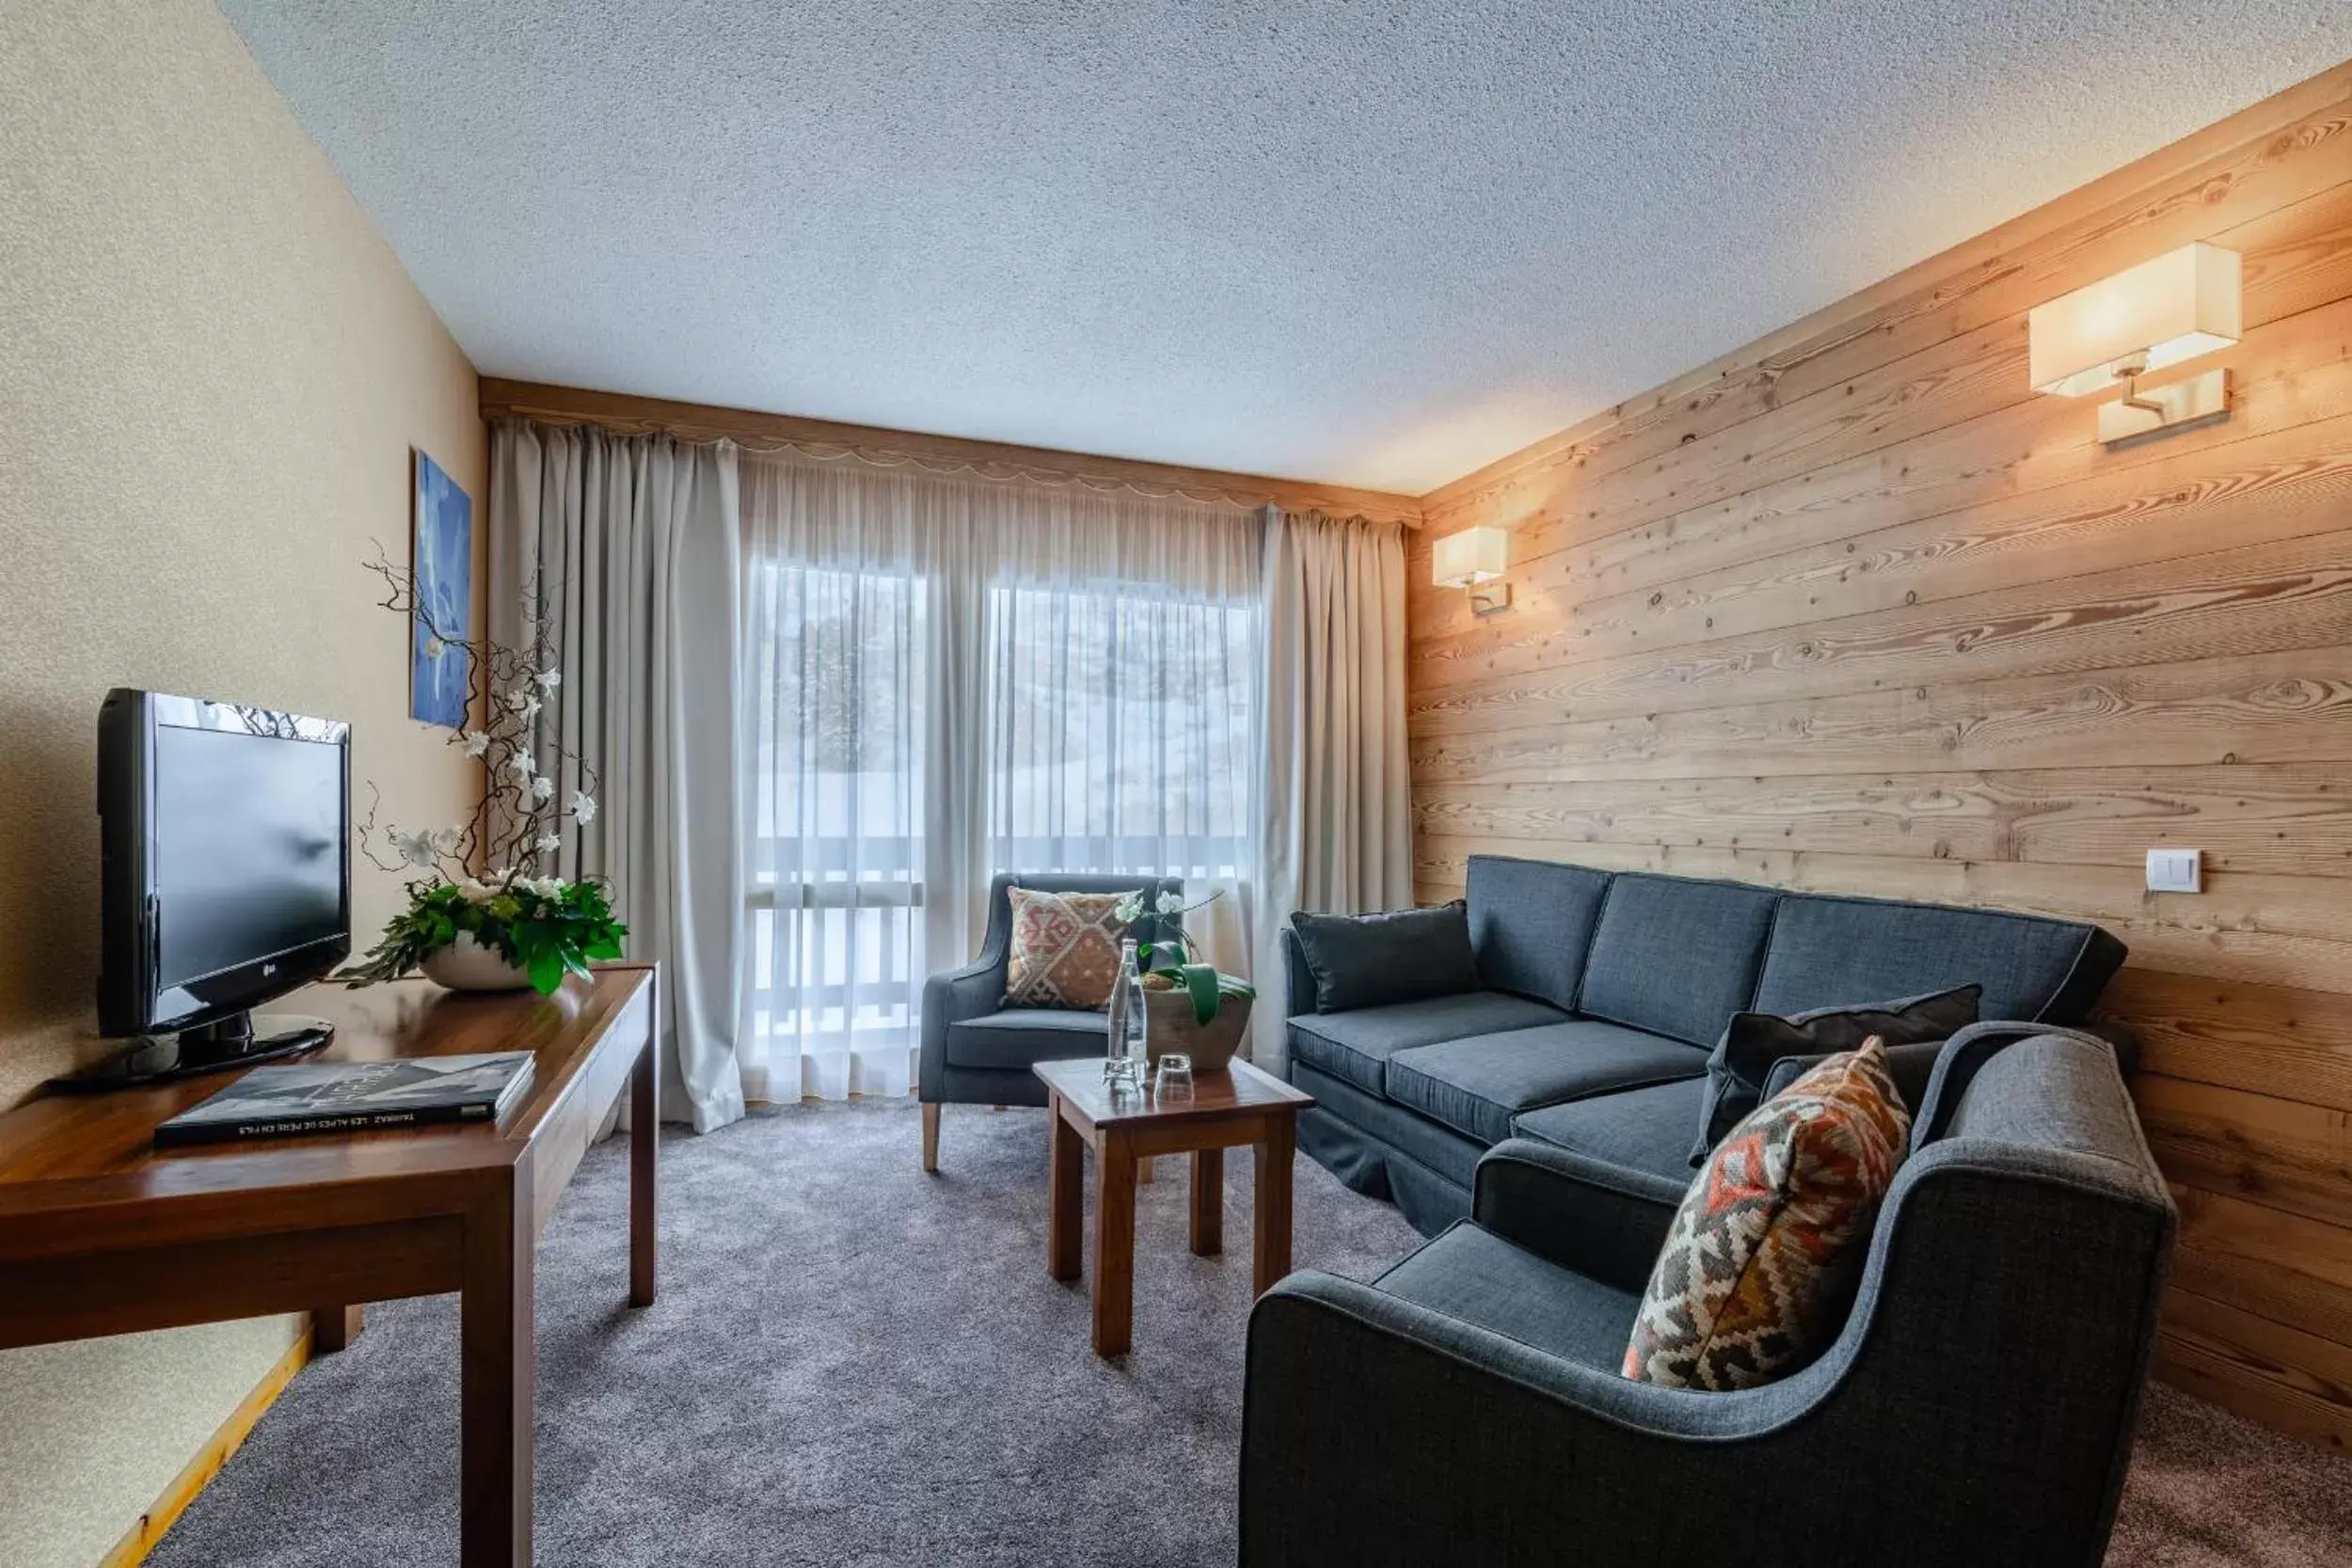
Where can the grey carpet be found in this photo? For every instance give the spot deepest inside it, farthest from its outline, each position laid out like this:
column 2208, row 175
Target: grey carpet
column 855, row 1364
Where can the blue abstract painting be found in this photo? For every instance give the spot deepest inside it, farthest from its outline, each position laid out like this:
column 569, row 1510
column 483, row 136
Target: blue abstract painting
column 440, row 670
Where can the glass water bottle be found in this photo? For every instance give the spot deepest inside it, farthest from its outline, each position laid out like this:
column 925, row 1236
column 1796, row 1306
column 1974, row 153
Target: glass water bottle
column 1125, row 1009
column 1138, row 1028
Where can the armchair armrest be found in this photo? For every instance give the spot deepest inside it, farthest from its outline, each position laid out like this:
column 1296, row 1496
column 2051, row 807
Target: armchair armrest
column 1585, row 1214
column 951, row 996
column 1378, row 1431
column 973, row 992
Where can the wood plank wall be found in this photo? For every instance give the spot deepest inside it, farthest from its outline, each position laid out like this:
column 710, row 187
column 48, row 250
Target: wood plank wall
column 1856, row 610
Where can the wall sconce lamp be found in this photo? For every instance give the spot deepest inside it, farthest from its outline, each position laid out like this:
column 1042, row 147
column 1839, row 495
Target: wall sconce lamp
column 1473, row 559
column 2182, row 304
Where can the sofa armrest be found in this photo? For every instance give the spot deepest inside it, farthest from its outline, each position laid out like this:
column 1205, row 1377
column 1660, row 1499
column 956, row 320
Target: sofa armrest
column 1298, row 980
column 1585, row 1214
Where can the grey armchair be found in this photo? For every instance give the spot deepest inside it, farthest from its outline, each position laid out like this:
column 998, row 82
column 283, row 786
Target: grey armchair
column 979, row 1052
column 1977, row 1407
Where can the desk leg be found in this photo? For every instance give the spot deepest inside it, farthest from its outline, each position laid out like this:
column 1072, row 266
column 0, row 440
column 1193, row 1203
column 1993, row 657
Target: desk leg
column 333, row 1328
column 1208, row 1202
column 645, row 1152
column 1065, row 1195
column 1271, row 1255
column 1114, row 1245
column 497, row 1376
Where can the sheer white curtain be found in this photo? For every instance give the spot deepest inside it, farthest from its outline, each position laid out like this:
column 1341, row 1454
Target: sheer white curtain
column 952, row 676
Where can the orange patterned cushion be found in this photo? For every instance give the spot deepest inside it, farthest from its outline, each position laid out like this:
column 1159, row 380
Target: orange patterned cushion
column 1759, row 1269
column 1065, row 949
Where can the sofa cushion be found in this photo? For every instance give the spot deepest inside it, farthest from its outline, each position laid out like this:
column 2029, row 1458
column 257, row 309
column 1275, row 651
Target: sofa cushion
column 1760, row 1264
column 1829, row 952
column 1369, row 960
column 1018, row 1038
column 1677, row 957
column 1476, row 1085
column 1476, row 1276
column 1356, row 1046
column 1531, row 922
column 1646, row 1130
column 1743, row 1059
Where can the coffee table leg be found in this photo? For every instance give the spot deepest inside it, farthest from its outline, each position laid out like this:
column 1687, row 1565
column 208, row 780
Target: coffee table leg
column 1208, row 1202
column 1271, row 1256
column 1066, row 1168
column 1114, row 1246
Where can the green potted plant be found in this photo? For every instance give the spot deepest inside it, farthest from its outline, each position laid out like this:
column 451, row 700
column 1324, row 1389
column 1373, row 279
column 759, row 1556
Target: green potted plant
column 496, row 933
column 504, row 928
column 1188, row 1007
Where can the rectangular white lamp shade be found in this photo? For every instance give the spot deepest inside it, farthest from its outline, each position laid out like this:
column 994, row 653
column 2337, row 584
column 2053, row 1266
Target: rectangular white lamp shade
column 2182, row 304
column 1474, row 556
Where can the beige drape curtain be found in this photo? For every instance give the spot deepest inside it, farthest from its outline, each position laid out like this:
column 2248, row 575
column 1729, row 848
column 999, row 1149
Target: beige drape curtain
column 1336, row 818
column 631, row 544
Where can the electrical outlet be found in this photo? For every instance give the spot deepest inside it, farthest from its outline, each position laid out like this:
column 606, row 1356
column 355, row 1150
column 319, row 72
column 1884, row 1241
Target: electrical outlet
column 2176, row 871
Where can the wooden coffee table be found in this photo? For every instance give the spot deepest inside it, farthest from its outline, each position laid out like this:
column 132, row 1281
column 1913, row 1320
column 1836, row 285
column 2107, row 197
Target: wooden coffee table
column 1239, row 1105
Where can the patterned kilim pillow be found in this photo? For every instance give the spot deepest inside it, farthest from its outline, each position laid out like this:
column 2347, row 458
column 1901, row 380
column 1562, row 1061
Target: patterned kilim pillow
column 1065, row 949
column 1759, row 1266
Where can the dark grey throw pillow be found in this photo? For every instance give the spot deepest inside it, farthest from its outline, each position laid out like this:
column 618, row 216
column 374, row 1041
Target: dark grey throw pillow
column 1368, row 960
column 1743, row 1059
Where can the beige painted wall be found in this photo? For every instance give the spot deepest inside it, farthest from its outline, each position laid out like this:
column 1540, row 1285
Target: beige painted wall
column 212, row 371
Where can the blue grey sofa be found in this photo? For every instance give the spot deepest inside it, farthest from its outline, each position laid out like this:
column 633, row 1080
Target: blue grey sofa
column 975, row 1050
column 1977, row 1408
column 1601, row 996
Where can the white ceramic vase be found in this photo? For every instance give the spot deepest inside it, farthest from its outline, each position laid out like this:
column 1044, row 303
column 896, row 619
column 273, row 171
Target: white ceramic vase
column 466, row 965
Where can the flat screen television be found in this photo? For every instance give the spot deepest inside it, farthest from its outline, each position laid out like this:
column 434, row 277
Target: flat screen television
column 225, row 838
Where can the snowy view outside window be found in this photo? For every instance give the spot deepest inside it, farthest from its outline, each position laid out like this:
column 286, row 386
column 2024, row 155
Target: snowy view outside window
column 1112, row 732
column 1117, row 728
column 836, row 820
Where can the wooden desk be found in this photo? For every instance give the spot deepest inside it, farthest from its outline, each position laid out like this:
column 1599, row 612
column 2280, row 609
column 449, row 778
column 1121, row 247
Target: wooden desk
column 102, row 1233
column 1225, row 1110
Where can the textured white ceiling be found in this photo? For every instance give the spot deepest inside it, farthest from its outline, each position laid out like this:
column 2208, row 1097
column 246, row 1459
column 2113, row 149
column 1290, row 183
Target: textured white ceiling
column 1376, row 243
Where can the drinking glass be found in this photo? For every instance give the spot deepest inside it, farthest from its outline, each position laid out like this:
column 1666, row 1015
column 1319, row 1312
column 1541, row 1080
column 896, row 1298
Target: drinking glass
column 1175, row 1079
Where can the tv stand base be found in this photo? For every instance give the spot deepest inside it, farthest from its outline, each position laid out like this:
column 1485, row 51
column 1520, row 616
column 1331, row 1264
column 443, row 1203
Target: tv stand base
column 216, row 1048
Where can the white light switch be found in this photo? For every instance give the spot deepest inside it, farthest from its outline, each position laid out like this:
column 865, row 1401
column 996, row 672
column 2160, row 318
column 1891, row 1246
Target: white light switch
column 2176, row 871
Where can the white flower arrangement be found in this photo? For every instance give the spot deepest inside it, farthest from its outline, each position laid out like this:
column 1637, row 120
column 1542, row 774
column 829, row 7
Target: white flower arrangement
column 546, row 925
column 1168, row 943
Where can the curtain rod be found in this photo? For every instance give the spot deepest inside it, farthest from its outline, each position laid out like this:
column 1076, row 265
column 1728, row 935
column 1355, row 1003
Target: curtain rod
column 830, row 441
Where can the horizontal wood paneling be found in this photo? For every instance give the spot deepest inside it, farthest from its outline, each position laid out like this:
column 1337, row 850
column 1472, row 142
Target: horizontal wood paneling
column 2290, row 1042
column 2293, row 595
column 2298, row 1383
column 2271, row 817
column 2280, row 1153
column 1854, row 610
column 2295, row 262
column 2268, row 1261
column 2286, row 484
